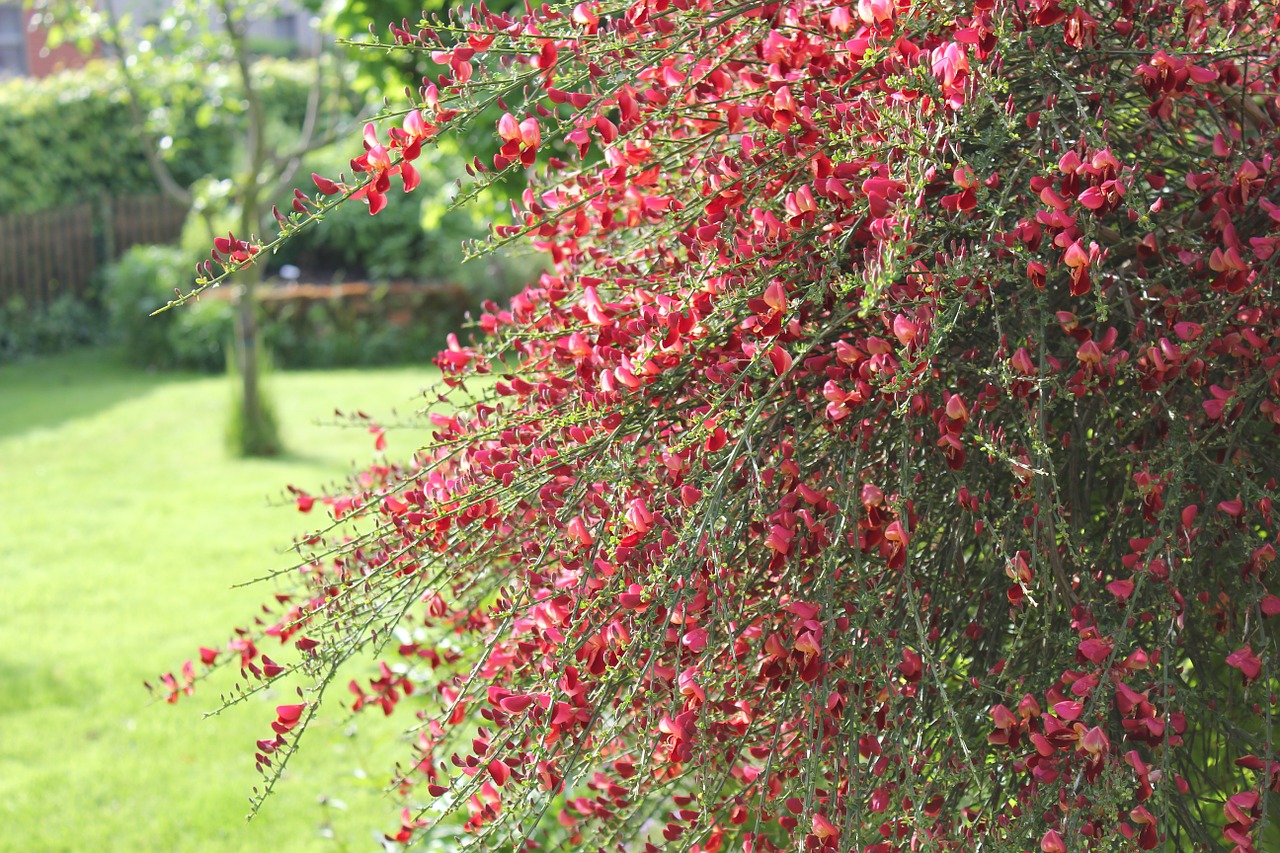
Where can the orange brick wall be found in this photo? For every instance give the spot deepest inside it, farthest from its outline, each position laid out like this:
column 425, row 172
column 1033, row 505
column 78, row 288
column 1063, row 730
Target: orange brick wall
column 58, row 59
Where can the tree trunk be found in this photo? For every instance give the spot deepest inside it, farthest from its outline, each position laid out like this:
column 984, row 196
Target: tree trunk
column 255, row 432
column 247, row 342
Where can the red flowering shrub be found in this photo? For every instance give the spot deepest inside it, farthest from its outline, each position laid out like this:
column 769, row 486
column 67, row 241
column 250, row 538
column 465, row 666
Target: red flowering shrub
column 887, row 462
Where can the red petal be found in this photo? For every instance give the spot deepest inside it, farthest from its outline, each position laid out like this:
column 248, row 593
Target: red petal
column 325, row 185
column 1068, row 710
column 516, row 704
column 290, row 713
column 410, row 176
column 508, row 128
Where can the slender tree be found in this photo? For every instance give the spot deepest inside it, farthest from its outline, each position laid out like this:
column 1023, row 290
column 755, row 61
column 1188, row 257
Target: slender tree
column 887, row 463
column 216, row 33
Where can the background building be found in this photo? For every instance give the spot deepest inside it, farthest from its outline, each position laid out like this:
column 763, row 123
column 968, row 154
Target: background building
column 22, row 51
column 283, row 29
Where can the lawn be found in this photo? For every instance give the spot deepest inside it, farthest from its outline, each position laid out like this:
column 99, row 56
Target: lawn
column 123, row 527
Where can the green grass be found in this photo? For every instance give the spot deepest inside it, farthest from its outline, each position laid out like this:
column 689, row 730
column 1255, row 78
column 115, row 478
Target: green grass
column 123, row 527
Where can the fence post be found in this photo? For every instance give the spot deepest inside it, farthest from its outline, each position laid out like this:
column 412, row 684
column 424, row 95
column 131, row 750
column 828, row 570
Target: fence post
column 106, row 243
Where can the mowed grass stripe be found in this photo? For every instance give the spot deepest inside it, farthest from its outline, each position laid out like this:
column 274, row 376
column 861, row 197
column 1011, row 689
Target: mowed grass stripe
column 123, row 527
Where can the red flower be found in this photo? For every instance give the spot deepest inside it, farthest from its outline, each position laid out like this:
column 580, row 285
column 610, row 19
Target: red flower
column 1052, row 842
column 377, row 163
column 1249, row 664
column 520, row 141
column 236, row 251
column 287, row 717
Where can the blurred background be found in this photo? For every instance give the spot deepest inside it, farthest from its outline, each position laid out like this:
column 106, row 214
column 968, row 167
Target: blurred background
column 144, row 461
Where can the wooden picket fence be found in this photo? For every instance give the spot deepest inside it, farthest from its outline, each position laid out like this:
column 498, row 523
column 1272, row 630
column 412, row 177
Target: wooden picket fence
column 54, row 252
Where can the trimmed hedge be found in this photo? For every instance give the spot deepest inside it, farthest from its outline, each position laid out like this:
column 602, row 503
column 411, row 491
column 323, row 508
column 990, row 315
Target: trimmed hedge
column 359, row 323
column 303, row 326
column 71, row 136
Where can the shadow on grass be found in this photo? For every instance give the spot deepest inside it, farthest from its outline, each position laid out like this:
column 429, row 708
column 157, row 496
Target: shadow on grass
column 47, row 392
column 285, row 458
column 29, row 686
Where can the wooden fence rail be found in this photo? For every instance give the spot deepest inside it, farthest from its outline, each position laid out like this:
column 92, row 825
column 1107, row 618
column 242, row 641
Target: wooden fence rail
column 45, row 255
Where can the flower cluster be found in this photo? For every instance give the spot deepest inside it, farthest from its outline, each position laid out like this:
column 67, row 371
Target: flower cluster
column 886, row 460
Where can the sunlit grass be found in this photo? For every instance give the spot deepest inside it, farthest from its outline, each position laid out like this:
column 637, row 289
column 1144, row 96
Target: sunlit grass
column 123, row 526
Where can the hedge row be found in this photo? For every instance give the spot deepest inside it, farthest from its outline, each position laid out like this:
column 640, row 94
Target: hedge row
column 302, row 326
column 71, row 136
column 64, row 323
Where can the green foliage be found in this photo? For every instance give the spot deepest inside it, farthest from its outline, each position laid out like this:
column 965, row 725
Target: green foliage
column 347, row 326
column 136, row 285
column 281, row 48
column 56, row 131
column 354, row 244
column 420, row 238
column 283, row 84
column 388, row 73
column 65, row 323
column 360, row 325
column 198, row 338
column 383, row 73
column 72, row 135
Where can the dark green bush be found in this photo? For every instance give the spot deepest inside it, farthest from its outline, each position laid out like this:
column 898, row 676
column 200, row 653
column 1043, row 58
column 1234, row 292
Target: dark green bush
column 302, row 326
column 65, row 323
column 416, row 238
column 143, row 280
column 396, row 244
column 72, row 136
column 358, row 324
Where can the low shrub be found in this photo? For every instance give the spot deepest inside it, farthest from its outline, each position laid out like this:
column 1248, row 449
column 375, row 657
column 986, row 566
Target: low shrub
column 360, row 324
column 303, row 326
column 198, row 337
column 141, row 281
column 64, row 323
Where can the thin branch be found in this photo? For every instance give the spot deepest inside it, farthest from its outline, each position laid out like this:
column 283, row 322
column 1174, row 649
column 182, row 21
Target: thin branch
column 150, row 145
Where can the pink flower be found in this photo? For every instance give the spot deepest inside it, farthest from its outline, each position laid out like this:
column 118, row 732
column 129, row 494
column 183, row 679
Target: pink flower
column 1052, row 843
column 876, row 12
column 520, row 140
column 1247, row 662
